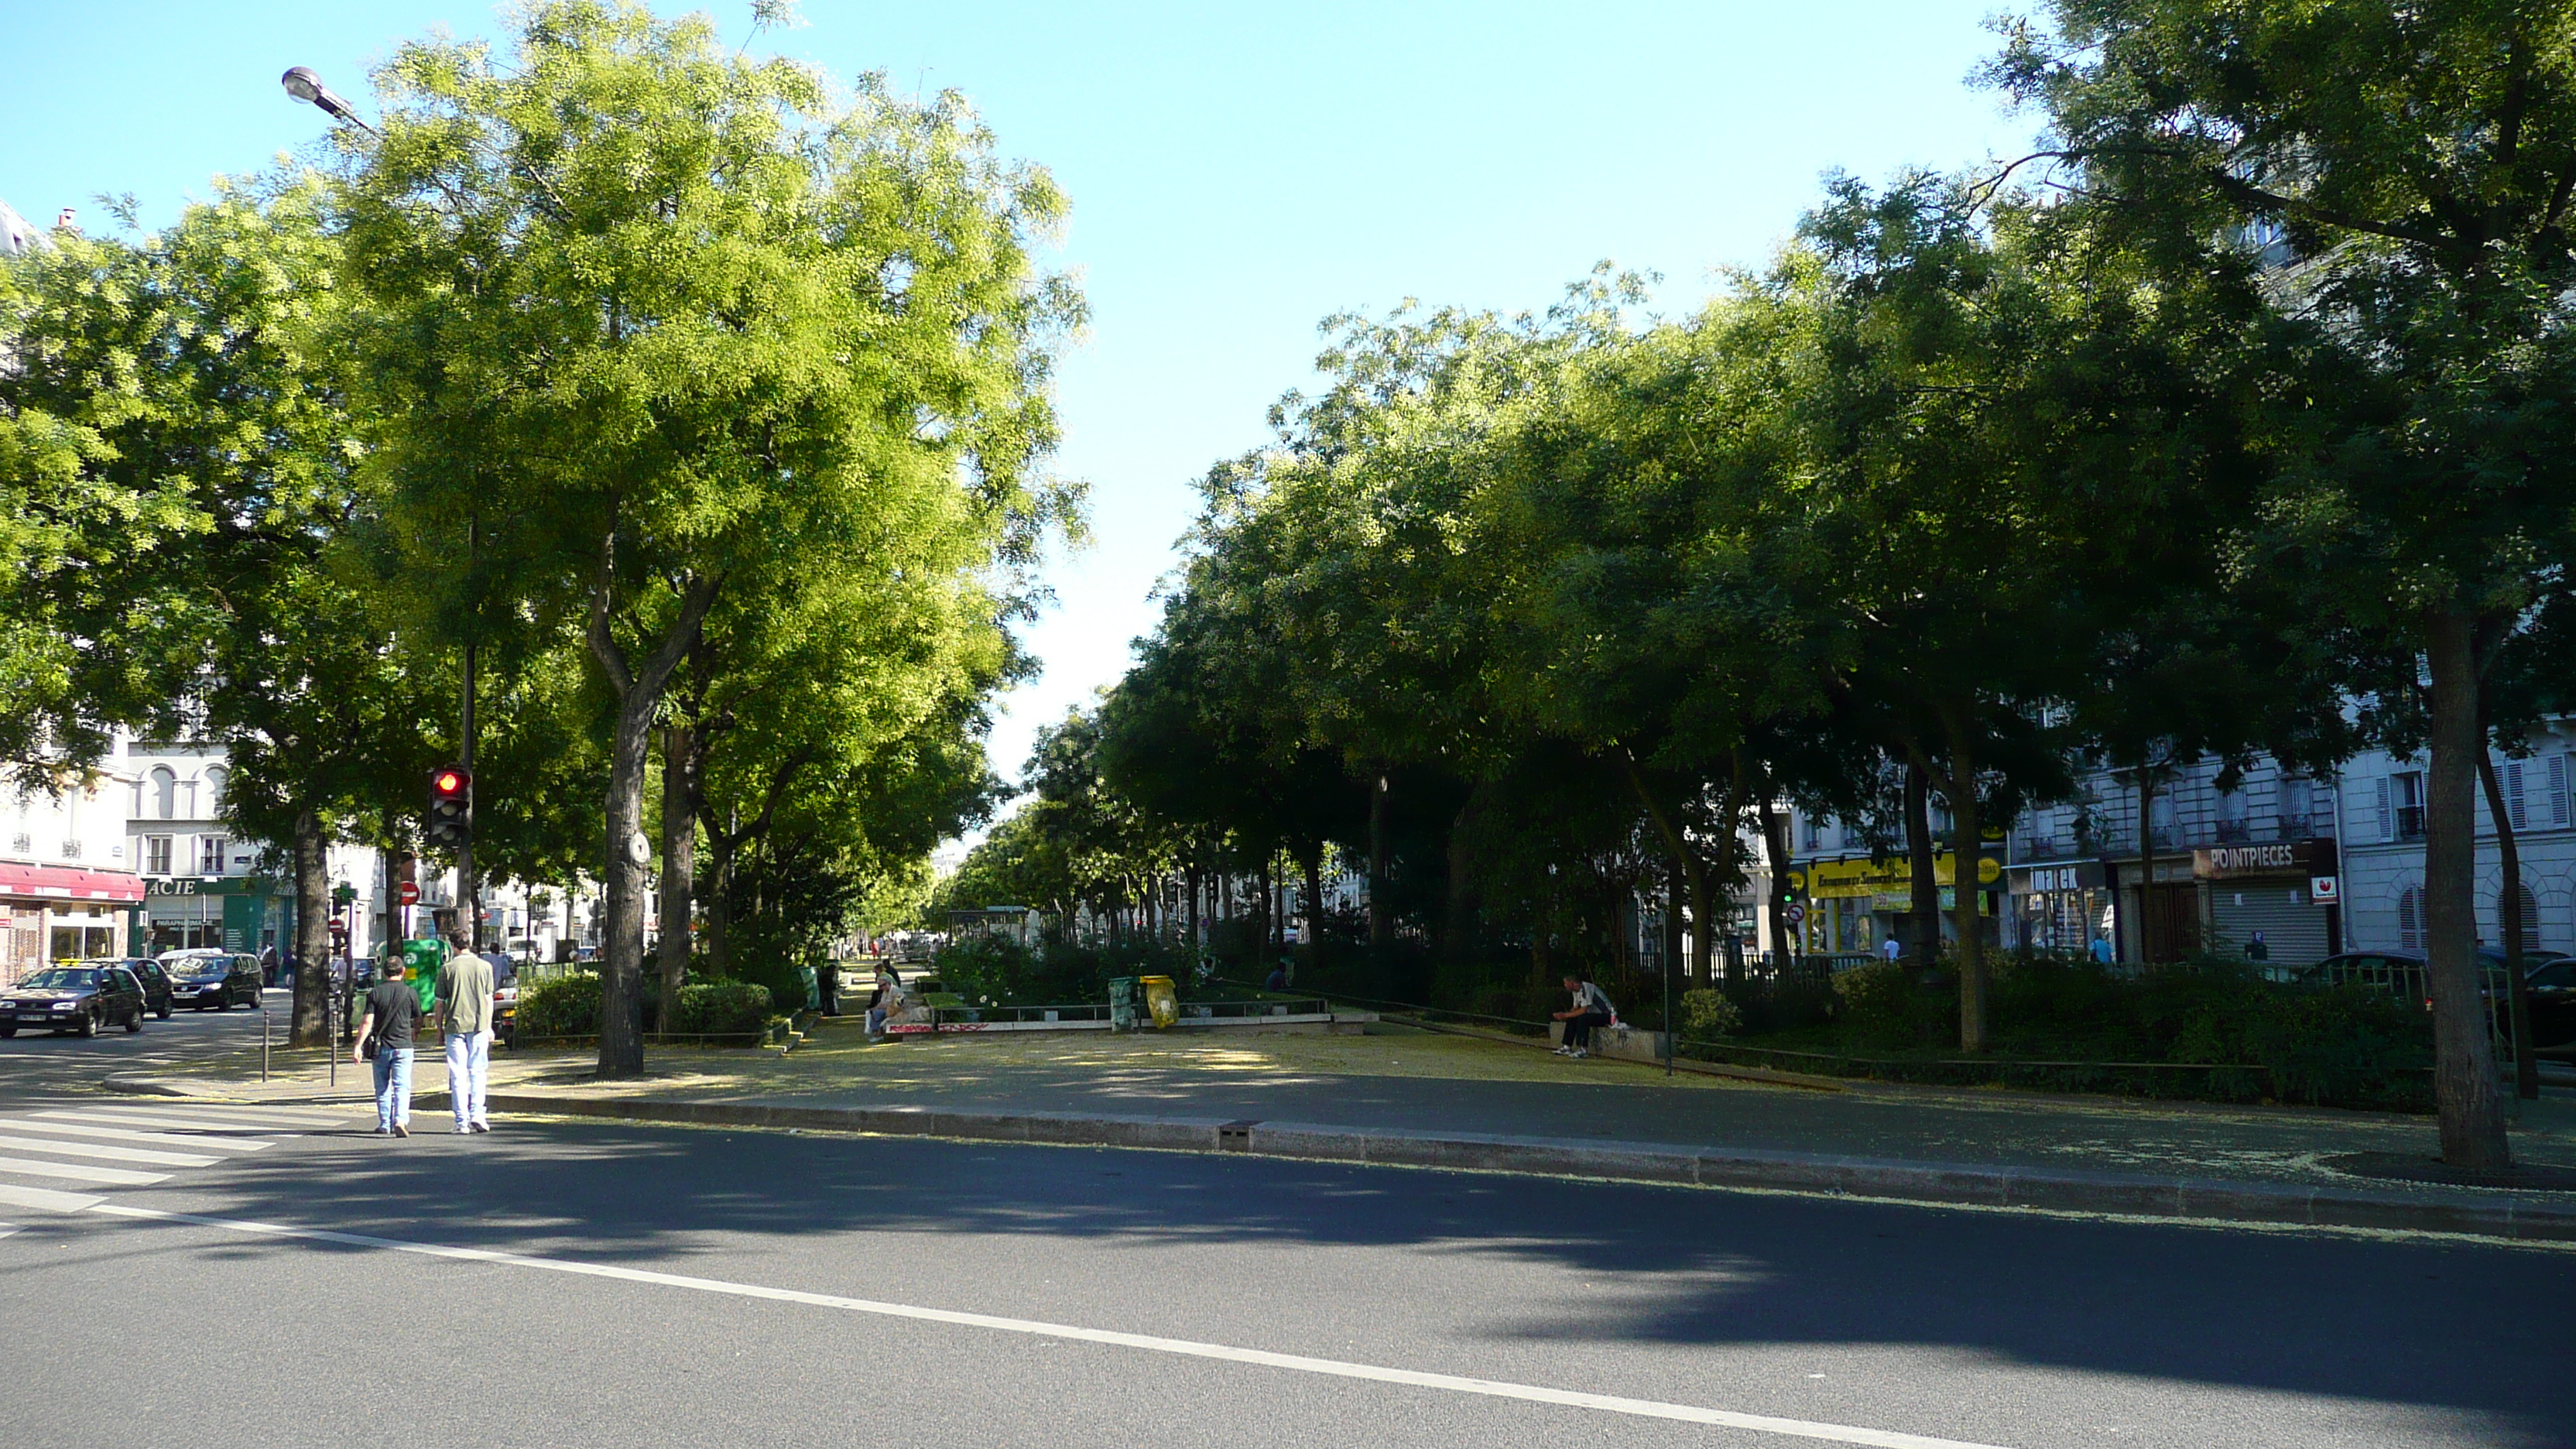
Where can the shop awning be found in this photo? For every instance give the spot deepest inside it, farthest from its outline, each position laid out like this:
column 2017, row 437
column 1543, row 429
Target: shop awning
column 53, row 882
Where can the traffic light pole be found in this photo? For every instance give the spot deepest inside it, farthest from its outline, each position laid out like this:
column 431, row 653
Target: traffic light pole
column 469, row 891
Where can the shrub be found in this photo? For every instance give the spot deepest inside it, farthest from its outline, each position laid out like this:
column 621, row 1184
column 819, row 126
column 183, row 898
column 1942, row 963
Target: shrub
column 561, row 1006
column 1707, row 1013
column 569, row 1006
column 722, row 1008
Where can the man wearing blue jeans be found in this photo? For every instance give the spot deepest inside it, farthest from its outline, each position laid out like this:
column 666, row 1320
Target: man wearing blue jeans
column 465, row 1018
column 393, row 1017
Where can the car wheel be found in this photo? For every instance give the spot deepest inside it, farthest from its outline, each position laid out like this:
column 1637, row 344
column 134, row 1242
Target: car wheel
column 164, row 1012
column 134, row 1023
column 224, row 1001
column 88, row 1025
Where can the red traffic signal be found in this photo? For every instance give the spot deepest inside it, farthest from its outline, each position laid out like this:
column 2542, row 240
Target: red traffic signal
column 451, row 808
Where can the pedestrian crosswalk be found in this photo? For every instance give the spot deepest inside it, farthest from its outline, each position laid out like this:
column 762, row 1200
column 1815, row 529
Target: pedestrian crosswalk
column 60, row 1157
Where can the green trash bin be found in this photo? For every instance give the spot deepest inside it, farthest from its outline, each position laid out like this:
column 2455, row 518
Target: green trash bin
column 1122, row 1003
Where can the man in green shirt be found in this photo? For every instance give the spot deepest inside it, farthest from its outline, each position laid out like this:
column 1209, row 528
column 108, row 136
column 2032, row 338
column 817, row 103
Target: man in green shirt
column 465, row 1016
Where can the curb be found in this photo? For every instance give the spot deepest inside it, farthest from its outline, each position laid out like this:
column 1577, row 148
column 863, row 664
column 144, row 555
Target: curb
column 2212, row 1201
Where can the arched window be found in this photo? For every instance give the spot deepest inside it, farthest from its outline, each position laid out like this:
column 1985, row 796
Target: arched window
column 2410, row 919
column 214, row 792
column 2530, row 919
column 165, row 793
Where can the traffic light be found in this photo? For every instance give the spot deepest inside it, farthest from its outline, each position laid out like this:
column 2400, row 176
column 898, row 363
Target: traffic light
column 451, row 808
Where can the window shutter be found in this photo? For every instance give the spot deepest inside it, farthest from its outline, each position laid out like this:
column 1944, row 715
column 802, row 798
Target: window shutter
column 2513, row 810
column 2558, row 789
column 2410, row 935
column 2387, row 814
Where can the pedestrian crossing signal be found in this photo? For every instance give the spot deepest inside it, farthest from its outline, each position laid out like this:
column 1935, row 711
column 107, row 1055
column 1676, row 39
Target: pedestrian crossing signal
column 451, row 808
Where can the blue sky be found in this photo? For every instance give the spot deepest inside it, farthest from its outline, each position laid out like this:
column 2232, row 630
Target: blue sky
column 1237, row 173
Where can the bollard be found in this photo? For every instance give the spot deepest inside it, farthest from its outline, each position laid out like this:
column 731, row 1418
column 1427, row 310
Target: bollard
column 263, row 1040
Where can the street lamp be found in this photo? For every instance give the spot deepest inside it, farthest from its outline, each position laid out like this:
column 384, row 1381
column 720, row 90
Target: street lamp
column 305, row 86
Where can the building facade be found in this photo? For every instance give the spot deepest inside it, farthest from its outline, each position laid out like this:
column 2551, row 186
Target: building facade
column 67, row 889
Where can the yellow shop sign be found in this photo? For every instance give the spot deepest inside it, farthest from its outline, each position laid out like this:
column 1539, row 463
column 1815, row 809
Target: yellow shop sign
column 1840, row 879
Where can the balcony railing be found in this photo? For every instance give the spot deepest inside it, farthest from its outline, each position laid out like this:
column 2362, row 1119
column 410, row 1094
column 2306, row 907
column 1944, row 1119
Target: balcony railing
column 2410, row 822
column 2232, row 832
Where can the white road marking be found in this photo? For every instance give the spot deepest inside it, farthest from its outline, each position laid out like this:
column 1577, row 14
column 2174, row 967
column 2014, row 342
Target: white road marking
column 283, row 1117
column 128, row 1134
column 47, row 1198
column 31, row 1167
column 1299, row 1363
column 195, row 1124
column 110, row 1154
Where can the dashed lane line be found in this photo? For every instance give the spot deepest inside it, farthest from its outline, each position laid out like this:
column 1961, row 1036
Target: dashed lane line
column 1182, row 1347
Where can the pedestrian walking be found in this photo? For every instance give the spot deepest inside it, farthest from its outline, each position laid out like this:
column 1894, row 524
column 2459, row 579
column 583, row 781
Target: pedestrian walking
column 385, row 1037
column 1891, row 948
column 465, row 1020
column 1591, row 1008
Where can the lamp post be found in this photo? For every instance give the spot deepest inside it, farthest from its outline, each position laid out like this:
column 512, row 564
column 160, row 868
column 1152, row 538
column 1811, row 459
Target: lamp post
column 305, row 86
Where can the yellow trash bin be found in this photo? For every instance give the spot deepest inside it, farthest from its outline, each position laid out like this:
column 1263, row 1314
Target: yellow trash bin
column 1161, row 999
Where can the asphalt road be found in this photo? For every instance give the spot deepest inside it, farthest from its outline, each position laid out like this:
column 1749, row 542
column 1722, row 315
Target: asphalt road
column 34, row 1062
column 126, row 1326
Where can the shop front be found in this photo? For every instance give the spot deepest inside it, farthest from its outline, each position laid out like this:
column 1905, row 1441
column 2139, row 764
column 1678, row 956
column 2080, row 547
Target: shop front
column 54, row 913
column 225, row 913
column 2273, row 903
column 2063, row 909
column 1854, row 906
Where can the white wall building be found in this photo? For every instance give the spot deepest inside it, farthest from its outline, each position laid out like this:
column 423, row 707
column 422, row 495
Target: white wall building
column 67, row 887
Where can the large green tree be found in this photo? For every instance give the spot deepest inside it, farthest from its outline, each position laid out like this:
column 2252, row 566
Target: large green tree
column 662, row 320
column 2404, row 173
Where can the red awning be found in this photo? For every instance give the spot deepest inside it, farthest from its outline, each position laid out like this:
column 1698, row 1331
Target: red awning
column 62, row 883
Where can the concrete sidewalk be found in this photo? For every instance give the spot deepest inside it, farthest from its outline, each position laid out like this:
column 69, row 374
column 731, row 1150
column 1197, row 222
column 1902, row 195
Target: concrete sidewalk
column 1401, row 1096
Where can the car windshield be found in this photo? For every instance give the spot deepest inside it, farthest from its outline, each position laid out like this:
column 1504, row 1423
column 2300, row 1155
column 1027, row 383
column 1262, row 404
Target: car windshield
column 199, row 968
column 61, row 978
column 2557, row 974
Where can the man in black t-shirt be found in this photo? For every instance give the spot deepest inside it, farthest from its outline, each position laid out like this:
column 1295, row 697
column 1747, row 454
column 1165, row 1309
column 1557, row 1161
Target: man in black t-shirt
column 393, row 1014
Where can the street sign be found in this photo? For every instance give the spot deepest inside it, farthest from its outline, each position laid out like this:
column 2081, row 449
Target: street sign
column 2325, row 890
column 1797, row 913
column 409, row 893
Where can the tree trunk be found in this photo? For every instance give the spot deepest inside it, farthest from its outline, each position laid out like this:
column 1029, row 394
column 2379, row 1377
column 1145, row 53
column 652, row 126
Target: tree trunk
column 638, row 690
column 1961, row 792
column 1381, row 928
column 2464, row 1077
column 308, row 1024
column 1686, row 862
column 679, row 863
column 1460, row 925
column 621, row 977
column 1193, row 886
column 1923, row 863
column 2526, row 1069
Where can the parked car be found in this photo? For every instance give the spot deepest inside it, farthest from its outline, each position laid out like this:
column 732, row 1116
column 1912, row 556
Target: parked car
column 217, row 979
column 2550, row 980
column 149, row 975
column 73, row 998
column 2553, row 1002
